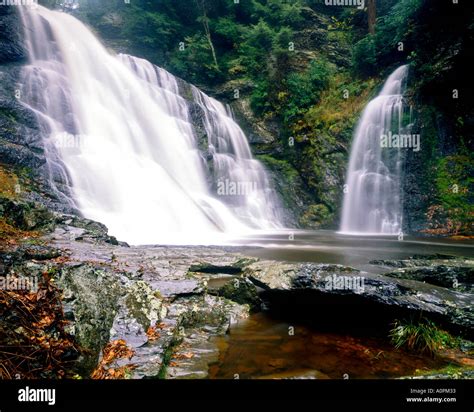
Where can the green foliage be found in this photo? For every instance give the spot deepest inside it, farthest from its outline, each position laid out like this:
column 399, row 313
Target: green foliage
column 316, row 216
column 152, row 30
column 260, row 101
column 455, row 182
column 382, row 48
column 194, row 62
column 278, row 12
column 227, row 32
column 455, row 177
column 282, row 40
column 257, row 46
column 281, row 166
column 303, row 89
column 364, row 56
column 245, row 35
column 422, row 337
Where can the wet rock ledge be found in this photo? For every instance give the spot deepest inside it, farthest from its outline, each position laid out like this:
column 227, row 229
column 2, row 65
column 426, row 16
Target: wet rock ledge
column 164, row 304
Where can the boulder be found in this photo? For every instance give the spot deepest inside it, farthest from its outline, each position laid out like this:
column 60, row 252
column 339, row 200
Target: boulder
column 362, row 294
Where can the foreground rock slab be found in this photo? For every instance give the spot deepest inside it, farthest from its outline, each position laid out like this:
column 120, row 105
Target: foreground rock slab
column 165, row 304
column 404, row 296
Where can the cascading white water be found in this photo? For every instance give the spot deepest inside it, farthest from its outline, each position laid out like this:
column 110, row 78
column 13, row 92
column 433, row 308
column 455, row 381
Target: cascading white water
column 119, row 134
column 372, row 201
column 239, row 178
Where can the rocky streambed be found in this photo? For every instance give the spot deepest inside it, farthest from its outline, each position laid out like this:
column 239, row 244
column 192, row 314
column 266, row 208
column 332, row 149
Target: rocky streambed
column 178, row 309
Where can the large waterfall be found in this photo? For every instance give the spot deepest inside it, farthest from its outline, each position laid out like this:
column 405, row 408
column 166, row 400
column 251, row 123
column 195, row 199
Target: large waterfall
column 119, row 136
column 372, row 201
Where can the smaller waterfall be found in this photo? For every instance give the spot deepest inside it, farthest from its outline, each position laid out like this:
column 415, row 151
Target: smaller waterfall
column 372, row 200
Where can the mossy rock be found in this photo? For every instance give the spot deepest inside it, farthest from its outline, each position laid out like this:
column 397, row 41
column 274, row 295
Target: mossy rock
column 26, row 215
column 241, row 291
column 316, row 216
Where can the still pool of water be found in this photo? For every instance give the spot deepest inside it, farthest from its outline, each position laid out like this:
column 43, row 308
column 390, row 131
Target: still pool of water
column 263, row 347
column 324, row 246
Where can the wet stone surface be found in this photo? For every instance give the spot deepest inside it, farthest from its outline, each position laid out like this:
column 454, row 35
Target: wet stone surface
column 176, row 307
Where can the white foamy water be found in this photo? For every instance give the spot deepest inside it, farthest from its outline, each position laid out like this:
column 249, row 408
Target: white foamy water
column 118, row 134
column 372, row 204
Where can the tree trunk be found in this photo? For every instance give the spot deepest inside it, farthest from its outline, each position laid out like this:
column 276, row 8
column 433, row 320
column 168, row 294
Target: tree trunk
column 372, row 11
column 205, row 23
column 209, row 39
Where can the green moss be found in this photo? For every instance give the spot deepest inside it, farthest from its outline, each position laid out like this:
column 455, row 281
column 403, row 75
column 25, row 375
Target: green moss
column 167, row 357
column 454, row 183
column 282, row 166
column 9, row 113
column 452, row 371
column 316, row 216
column 340, row 106
column 287, row 179
column 9, row 184
column 243, row 292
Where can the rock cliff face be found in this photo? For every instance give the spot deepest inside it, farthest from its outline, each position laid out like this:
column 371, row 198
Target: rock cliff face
column 438, row 187
column 21, row 139
column 437, row 192
column 11, row 44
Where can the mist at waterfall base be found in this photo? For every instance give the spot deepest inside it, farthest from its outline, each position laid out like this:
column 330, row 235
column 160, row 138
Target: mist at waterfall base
column 121, row 146
column 372, row 203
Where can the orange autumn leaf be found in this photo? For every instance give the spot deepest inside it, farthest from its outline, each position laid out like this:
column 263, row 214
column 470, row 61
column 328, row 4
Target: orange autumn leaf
column 152, row 334
column 186, row 355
